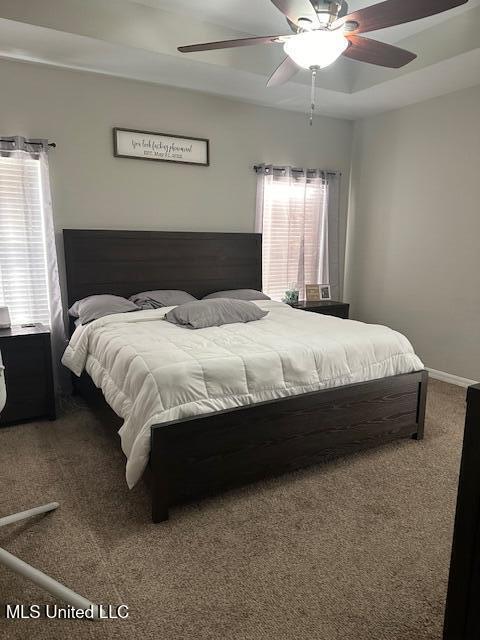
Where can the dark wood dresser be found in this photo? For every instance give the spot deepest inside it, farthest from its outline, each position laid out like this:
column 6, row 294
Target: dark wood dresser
column 326, row 307
column 27, row 359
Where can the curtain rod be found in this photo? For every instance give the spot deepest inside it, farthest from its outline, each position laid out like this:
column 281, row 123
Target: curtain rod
column 258, row 167
column 32, row 142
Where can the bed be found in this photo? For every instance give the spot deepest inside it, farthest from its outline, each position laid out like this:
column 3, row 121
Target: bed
column 211, row 409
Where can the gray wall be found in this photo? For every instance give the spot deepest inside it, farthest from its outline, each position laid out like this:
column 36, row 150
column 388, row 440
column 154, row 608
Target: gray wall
column 414, row 228
column 414, row 223
column 92, row 189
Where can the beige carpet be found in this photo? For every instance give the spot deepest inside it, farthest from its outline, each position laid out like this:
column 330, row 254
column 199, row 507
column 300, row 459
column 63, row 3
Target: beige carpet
column 357, row 549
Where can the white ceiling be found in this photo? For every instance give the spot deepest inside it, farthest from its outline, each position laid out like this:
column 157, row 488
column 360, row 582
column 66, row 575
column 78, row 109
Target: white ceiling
column 260, row 17
column 139, row 39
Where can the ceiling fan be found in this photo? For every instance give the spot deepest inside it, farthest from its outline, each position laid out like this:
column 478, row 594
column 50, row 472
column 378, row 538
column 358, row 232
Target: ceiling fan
column 324, row 30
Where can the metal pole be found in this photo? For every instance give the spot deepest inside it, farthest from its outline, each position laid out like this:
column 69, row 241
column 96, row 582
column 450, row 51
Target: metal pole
column 50, row 585
column 32, row 142
column 15, row 517
column 45, row 582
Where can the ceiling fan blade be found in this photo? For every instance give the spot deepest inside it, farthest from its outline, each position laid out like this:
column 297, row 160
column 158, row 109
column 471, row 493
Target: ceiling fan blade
column 229, row 44
column 393, row 12
column 295, row 9
column 379, row 53
column 286, row 70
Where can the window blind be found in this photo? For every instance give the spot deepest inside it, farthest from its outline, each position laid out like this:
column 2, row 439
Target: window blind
column 23, row 260
column 294, row 233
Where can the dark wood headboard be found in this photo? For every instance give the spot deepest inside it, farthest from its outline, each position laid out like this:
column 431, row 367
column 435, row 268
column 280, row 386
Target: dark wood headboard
column 127, row 262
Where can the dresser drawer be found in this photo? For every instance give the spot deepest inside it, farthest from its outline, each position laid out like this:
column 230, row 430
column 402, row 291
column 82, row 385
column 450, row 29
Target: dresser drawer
column 25, row 403
column 325, row 308
column 27, row 360
column 338, row 312
column 23, row 357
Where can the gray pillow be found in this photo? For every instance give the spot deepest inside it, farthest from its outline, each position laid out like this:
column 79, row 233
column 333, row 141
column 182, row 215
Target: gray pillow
column 214, row 313
column 238, row 294
column 95, row 307
column 161, row 298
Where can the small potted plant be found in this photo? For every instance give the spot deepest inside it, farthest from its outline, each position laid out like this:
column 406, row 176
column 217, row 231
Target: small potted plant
column 291, row 295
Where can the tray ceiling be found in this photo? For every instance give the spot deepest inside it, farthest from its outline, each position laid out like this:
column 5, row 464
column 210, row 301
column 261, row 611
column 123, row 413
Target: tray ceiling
column 139, row 39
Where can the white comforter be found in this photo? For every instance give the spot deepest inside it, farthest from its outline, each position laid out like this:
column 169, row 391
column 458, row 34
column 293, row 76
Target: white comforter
column 151, row 371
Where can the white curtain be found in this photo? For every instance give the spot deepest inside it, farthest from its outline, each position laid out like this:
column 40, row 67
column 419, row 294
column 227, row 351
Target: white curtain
column 29, row 283
column 297, row 213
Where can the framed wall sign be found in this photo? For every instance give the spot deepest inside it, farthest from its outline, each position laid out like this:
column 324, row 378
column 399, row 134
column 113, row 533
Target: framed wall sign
column 163, row 147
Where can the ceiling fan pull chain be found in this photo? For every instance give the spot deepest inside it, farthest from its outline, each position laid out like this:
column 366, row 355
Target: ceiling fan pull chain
column 312, row 94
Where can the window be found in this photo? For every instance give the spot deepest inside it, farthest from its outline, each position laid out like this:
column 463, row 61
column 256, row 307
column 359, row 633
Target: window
column 292, row 216
column 23, row 259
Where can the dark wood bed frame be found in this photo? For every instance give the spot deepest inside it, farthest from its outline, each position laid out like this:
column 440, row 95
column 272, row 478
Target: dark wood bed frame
column 206, row 454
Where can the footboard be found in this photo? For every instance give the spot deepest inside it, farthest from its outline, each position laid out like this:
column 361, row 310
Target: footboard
column 213, row 452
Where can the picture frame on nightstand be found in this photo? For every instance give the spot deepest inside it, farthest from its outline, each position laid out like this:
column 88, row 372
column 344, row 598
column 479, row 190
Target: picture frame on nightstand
column 317, row 292
column 325, row 292
column 312, row 292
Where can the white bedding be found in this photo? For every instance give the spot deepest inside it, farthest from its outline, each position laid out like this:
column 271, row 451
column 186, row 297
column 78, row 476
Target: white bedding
column 151, row 371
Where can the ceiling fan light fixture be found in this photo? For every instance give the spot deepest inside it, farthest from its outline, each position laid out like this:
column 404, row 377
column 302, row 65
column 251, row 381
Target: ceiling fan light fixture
column 324, row 17
column 305, row 24
column 319, row 48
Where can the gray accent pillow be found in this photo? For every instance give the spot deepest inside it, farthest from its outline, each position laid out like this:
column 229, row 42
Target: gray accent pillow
column 161, row 298
column 238, row 294
column 95, row 307
column 214, row 313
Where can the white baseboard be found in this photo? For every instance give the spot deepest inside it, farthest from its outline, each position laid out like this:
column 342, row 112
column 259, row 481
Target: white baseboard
column 450, row 378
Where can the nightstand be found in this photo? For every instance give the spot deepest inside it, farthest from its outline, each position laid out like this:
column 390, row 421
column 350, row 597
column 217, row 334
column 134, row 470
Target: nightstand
column 325, row 307
column 27, row 359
